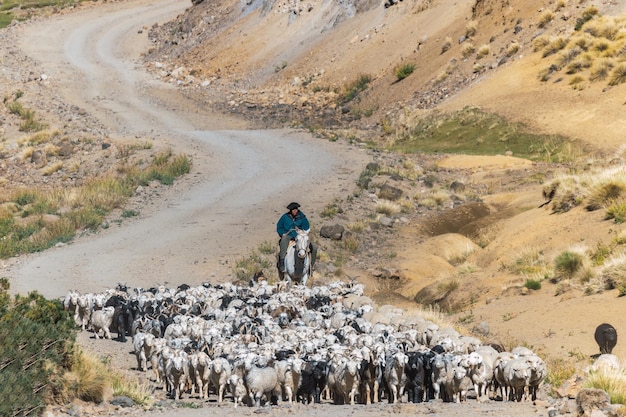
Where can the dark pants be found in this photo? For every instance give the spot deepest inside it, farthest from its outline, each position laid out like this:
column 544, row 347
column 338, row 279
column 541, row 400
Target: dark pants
column 284, row 245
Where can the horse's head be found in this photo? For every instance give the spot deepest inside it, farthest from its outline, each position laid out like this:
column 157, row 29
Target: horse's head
column 302, row 242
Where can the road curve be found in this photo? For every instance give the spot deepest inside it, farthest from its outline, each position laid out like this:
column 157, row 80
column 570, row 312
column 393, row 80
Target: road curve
column 229, row 203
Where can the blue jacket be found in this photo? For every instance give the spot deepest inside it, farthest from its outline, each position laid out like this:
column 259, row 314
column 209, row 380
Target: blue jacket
column 288, row 224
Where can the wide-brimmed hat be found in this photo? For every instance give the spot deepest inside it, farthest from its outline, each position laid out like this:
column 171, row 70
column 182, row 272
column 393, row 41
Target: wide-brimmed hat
column 292, row 206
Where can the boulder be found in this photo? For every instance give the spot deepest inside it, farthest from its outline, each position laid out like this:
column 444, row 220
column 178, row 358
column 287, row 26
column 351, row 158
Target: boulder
column 334, row 232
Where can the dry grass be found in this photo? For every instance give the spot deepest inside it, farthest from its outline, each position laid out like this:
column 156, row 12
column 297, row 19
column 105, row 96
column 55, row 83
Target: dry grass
column 52, row 168
column 471, row 28
column 512, row 49
column 594, row 188
column 618, row 75
column 602, row 39
column 612, row 382
column 388, row 208
column 467, row 49
column 545, row 18
column 483, row 51
column 613, row 273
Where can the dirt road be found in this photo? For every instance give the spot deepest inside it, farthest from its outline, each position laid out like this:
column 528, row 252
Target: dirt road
column 240, row 182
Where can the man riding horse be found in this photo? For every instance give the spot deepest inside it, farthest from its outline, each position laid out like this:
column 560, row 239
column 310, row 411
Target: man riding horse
column 287, row 227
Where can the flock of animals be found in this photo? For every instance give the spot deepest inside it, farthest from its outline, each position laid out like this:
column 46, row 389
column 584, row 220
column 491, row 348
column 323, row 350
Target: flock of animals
column 260, row 344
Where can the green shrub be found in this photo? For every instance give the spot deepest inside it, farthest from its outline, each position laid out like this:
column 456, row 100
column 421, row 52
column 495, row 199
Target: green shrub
column 532, row 284
column 37, row 340
column 355, row 87
column 403, row 71
column 568, row 263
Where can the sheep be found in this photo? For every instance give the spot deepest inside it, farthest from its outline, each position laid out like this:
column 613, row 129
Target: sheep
column 289, row 373
column 498, row 373
column 458, row 384
column 441, row 368
column 481, row 374
column 199, row 371
column 605, row 362
column 140, row 354
column 260, row 382
column 220, row 371
column 237, row 388
column 517, row 377
column 176, row 374
column 101, row 320
column 606, row 338
column 538, row 373
column 83, row 310
column 343, row 379
column 395, row 378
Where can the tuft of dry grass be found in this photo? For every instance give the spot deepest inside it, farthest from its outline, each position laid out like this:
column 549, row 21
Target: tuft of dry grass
column 52, row 168
column 388, row 208
column 600, row 70
column 545, row 18
column 554, row 46
column 467, row 49
column 471, row 28
column 612, row 274
column 512, row 49
column 618, row 75
column 483, row 51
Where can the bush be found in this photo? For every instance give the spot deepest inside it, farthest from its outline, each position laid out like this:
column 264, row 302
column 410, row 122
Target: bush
column 37, row 343
column 532, row 284
column 403, row 71
column 355, row 87
column 568, row 263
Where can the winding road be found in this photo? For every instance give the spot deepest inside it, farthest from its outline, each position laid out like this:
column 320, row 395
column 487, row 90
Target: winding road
column 241, row 178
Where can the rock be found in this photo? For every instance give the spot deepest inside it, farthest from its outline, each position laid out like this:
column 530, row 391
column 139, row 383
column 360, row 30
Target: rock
column 389, row 192
column 66, row 150
column 590, row 399
column 386, row 221
column 334, row 232
column 482, row 328
column 570, row 388
column 122, row 401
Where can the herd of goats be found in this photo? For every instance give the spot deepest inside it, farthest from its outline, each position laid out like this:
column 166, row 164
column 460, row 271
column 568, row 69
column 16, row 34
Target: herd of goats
column 261, row 343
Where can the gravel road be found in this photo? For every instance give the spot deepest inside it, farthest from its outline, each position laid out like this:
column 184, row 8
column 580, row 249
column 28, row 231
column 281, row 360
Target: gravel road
column 241, row 179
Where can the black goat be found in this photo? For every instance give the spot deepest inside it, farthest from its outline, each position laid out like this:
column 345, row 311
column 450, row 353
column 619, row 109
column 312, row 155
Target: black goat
column 416, row 375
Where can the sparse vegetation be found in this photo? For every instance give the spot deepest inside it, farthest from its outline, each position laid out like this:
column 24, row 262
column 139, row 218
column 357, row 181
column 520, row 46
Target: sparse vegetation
column 545, row 18
column 474, row 132
column 82, row 208
column 532, row 284
column 352, row 89
column 404, row 70
column 568, row 263
column 612, row 382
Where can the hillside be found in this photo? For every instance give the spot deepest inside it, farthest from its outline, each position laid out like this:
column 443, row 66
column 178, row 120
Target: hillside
column 287, row 62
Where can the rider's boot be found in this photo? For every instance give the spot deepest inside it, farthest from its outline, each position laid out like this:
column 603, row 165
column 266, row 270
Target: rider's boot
column 281, row 264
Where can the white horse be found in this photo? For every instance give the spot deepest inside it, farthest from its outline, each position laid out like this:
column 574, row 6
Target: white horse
column 297, row 260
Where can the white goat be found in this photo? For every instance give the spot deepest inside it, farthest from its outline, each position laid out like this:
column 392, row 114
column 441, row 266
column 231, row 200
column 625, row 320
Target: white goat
column 101, row 320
